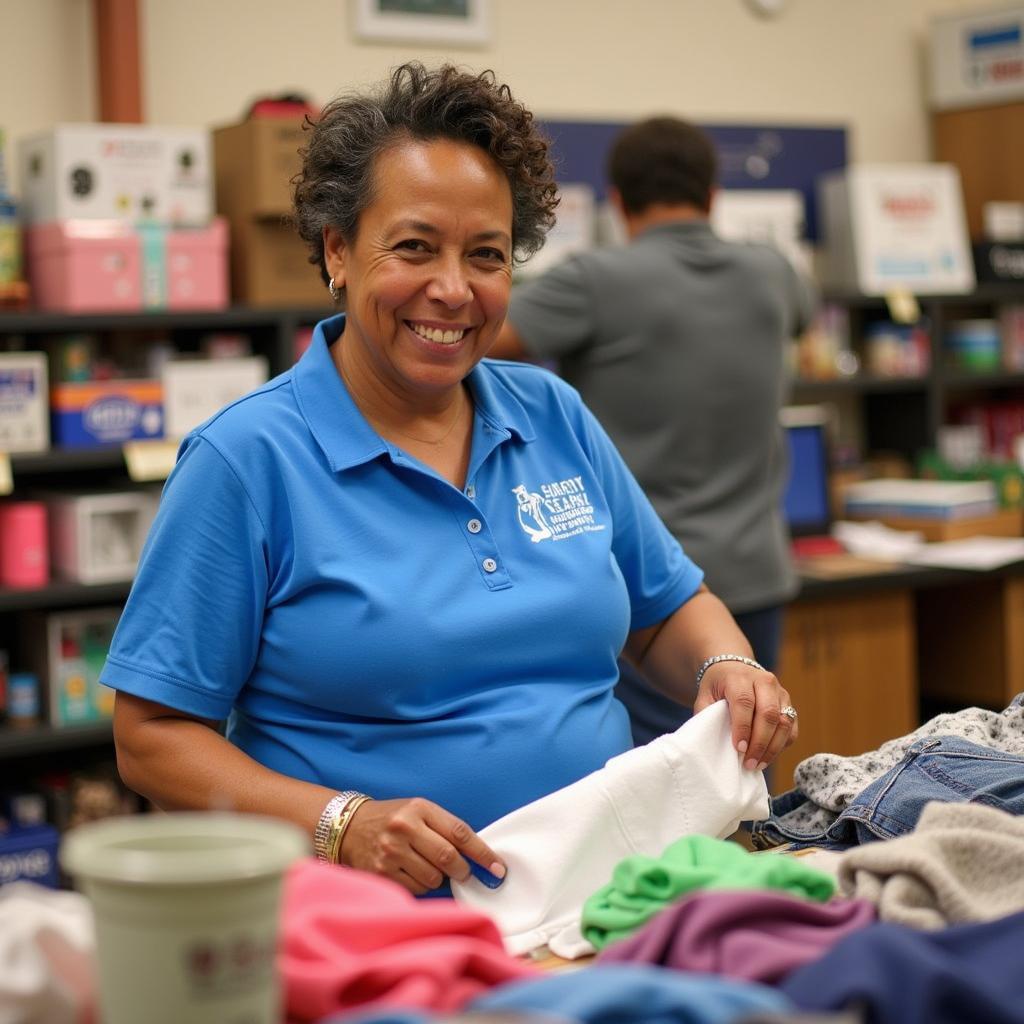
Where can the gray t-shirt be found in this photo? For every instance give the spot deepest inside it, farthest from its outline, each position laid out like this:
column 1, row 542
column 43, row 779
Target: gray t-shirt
column 677, row 343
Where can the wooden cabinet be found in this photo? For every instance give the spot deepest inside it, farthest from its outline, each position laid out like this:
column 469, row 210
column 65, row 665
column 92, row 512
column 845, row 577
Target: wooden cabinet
column 849, row 666
column 970, row 642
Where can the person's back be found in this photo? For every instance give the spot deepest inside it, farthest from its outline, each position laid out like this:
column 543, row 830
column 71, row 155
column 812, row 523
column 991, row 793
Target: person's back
column 677, row 341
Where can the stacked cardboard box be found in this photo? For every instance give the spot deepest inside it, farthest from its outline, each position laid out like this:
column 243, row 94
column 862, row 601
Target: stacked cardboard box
column 254, row 163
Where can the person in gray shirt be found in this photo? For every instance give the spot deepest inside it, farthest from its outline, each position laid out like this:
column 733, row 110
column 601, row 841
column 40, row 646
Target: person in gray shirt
column 677, row 341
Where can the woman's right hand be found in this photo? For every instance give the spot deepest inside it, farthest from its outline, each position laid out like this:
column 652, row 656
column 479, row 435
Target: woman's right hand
column 414, row 842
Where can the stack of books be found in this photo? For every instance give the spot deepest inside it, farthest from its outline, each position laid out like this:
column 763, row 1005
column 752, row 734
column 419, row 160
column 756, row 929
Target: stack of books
column 939, row 509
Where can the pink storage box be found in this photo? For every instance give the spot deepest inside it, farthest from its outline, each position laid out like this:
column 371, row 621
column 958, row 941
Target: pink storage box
column 197, row 266
column 84, row 266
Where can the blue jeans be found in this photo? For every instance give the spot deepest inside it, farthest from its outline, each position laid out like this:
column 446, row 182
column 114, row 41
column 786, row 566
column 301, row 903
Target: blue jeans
column 944, row 768
column 652, row 714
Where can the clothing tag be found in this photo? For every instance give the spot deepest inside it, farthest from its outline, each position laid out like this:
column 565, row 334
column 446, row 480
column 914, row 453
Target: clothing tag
column 149, row 460
column 6, row 477
column 903, row 307
column 483, row 875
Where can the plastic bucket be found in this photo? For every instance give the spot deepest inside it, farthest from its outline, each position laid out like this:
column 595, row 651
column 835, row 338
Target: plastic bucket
column 186, row 909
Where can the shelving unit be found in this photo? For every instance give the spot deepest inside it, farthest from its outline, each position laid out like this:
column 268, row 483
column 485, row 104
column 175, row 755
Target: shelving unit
column 272, row 333
column 903, row 414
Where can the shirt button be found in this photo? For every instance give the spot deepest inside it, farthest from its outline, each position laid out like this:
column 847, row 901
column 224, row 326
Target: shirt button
column 470, row 491
column 474, row 526
column 489, row 565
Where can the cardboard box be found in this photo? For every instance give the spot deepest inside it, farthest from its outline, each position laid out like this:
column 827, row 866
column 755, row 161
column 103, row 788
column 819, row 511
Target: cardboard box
column 270, row 267
column 67, row 651
column 195, row 389
column 892, row 227
column 97, row 538
column 1004, row 523
column 85, row 266
column 24, row 417
column 83, row 415
column 254, row 164
column 132, row 172
column 977, row 59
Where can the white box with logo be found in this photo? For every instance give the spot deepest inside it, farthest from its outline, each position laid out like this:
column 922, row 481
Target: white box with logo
column 773, row 216
column 133, row 172
column 194, row 389
column 24, row 402
column 976, row 59
column 892, row 227
column 97, row 538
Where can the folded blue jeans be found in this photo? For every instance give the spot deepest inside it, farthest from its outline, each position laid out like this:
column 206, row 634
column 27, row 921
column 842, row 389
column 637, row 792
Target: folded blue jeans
column 944, row 768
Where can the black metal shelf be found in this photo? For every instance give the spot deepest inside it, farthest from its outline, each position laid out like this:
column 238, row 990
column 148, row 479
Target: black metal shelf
column 961, row 380
column 26, row 741
column 64, row 460
column 986, row 292
column 805, row 386
column 36, row 322
column 62, row 595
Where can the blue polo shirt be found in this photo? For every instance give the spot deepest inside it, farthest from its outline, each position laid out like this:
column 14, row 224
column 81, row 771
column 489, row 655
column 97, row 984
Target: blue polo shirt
column 364, row 624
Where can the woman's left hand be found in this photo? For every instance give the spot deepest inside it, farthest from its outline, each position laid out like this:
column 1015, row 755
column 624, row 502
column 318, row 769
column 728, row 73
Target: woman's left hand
column 756, row 701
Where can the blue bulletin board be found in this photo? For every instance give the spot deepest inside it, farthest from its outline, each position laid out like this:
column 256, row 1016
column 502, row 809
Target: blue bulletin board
column 750, row 156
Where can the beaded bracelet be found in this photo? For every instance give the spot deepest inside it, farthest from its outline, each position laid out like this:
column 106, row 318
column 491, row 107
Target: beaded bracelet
column 727, row 657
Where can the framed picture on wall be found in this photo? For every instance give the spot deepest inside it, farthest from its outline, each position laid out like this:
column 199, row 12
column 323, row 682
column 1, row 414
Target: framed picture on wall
column 451, row 22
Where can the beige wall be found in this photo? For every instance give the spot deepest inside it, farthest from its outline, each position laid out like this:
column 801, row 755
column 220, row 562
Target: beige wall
column 852, row 62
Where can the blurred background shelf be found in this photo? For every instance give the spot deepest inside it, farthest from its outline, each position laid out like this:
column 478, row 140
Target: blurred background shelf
column 27, row 741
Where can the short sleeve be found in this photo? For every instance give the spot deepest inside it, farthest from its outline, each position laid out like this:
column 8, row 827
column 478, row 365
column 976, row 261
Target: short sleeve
column 554, row 313
column 190, row 631
column 659, row 575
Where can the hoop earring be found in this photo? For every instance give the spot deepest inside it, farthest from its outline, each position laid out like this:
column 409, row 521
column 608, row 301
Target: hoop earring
column 332, row 289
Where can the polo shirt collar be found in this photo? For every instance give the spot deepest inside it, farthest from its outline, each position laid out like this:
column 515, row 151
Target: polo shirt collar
column 341, row 430
column 696, row 228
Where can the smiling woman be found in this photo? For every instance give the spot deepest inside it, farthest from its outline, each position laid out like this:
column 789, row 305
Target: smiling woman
column 400, row 570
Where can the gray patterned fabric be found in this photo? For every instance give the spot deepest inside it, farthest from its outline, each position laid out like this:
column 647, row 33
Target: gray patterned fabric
column 831, row 782
column 963, row 863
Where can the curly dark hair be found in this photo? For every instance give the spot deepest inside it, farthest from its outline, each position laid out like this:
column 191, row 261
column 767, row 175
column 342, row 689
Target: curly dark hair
column 662, row 160
column 335, row 184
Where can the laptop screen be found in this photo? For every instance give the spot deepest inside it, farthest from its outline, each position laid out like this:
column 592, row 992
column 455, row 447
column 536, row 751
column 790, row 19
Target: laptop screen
column 806, row 498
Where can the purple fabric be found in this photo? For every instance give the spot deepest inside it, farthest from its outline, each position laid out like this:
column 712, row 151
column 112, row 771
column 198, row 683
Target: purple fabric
column 751, row 936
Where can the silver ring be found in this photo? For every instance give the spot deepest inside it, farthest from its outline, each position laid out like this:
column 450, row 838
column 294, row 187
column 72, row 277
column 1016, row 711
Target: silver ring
column 789, row 711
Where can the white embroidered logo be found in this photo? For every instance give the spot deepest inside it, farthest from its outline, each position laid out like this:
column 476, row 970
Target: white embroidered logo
column 560, row 510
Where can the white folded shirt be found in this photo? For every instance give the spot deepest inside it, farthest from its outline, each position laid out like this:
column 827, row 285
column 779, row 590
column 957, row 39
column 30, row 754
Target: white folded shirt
column 561, row 849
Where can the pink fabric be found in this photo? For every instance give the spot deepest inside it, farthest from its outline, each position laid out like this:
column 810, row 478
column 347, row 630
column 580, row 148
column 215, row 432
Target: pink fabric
column 751, row 936
column 351, row 940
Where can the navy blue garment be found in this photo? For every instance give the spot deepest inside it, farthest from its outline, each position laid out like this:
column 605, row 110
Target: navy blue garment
column 961, row 975
column 634, row 994
column 653, row 714
column 948, row 769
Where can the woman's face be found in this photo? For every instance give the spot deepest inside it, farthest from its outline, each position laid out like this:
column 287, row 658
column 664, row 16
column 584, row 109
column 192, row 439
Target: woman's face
column 427, row 277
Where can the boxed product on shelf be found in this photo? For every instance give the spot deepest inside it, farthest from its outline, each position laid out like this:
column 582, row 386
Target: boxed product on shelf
column 30, row 855
column 66, row 650
column 891, row 227
column 133, row 172
column 920, row 499
column 24, row 550
column 100, row 412
column 194, row 389
column 81, row 266
column 84, row 266
column 24, row 418
column 97, row 538
column 255, row 162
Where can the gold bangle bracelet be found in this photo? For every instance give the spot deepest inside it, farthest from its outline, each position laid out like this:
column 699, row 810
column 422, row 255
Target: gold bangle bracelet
column 341, row 824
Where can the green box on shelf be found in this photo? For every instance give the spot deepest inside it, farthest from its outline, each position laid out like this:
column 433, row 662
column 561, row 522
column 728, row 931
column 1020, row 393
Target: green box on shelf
column 1007, row 476
column 67, row 650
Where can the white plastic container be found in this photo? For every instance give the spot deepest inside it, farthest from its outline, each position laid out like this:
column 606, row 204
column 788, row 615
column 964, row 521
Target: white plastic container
column 186, row 912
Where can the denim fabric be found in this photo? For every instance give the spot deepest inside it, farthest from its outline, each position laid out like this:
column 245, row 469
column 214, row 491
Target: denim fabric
column 944, row 768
